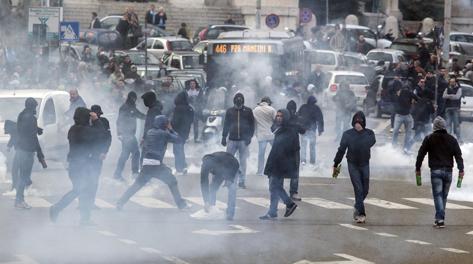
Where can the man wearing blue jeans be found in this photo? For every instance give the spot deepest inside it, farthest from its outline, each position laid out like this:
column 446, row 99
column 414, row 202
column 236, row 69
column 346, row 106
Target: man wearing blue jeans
column 264, row 115
column 442, row 148
column 402, row 107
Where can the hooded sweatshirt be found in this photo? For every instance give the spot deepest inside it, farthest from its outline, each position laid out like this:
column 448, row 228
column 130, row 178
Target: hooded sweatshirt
column 83, row 138
column 441, row 147
column 157, row 139
column 183, row 115
column 264, row 116
column 239, row 123
column 127, row 115
column 311, row 116
column 358, row 143
column 155, row 108
column 27, row 128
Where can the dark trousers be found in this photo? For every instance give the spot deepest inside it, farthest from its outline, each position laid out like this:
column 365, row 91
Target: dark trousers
column 195, row 126
column 360, row 178
column 294, row 183
column 129, row 147
column 179, row 156
column 83, row 187
column 15, row 171
column 25, row 161
column 161, row 172
column 276, row 192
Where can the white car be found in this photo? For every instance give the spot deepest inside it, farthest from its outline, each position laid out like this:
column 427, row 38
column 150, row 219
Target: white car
column 358, row 84
column 327, row 59
column 52, row 105
column 387, row 55
column 158, row 46
column 466, row 108
column 354, row 31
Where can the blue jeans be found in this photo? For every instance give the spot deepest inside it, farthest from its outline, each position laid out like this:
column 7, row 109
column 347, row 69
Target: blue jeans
column 453, row 121
column 261, row 152
column 360, row 179
column 179, row 156
column 129, row 147
column 276, row 192
column 422, row 130
column 408, row 123
column 231, row 200
column 25, row 161
column 441, row 180
column 308, row 138
column 243, row 153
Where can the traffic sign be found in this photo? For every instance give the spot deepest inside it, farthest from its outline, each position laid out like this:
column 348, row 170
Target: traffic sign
column 306, row 15
column 69, row 31
column 272, row 21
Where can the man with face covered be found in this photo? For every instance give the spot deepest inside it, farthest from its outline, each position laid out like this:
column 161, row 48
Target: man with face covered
column 239, row 127
column 358, row 141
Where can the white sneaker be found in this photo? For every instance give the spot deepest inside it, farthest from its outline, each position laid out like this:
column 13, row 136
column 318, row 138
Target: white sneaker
column 10, row 193
column 361, row 219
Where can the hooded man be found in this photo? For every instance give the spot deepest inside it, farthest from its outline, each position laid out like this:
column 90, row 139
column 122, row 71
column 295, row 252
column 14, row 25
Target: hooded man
column 84, row 140
column 182, row 119
column 312, row 120
column 442, row 148
column 402, row 107
column 224, row 168
column 358, row 141
column 282, row 163
column 126, row 131
column 26, row 145
column 264, row 115
column 239, row 127
column 155, row 145
column 155, row 108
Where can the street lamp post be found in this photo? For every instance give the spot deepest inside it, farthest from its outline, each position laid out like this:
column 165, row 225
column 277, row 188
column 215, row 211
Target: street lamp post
column 258, row 14
column 326, row 12
column 446, row 31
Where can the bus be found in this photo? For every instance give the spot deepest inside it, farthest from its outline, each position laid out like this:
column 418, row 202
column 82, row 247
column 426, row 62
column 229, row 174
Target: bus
column 251, row 56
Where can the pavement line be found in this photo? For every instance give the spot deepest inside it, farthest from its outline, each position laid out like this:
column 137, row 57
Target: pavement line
column 315, row 184
column 259, row 201
column 353, row 227
column 469, row 233
column 386, row 234
column 325, row 203
column 38, row 202
column 151, row 250
column 151, row 202
column 418, row 242
column 127, row 241
column 348, row 260
column 103, row 204
column 107, row 233
column 199, row 201
column 175, row 260
column 429, row 201
column 385, row 204
column 382, row 126
column 454, row 250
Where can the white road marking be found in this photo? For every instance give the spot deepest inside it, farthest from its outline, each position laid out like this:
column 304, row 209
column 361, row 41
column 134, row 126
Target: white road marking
column 263, row 202
column 22, row 259
column 151, row 202
column 199, row 201
column 103, row 204
column 386, row 234
column 127, row 241
column 382, row 126
column 38, row 202
column 325, row 203
column 107, row 233
column 353, row 227
column 239, row 229
column 469, row 233
column 385, row 204
column 418, row 242
column 350, row 260
column 454, row 250
column 315, row 184
column 151, row 250
column 429, row 201
column 175, row 260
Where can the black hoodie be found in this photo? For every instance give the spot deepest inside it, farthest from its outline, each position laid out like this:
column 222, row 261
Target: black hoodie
column 27, row 128
column 359, row 143
column 127, row 115
column 183, row 115
column 83, row 138
column 155, row 108
column 239, row 122
column 311, row 116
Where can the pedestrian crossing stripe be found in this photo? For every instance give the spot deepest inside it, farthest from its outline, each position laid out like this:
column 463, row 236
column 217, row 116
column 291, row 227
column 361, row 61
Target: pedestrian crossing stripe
column 454, row 250
column 103, row 204
column 151, row 202
column 354, row 227
column 429, row 201
column 200, row 201
column 386, row 234
column 420, row 242
column 469, row 233
column 385, row 204
column 259, row 201
column 37, row 202
column 325, row 203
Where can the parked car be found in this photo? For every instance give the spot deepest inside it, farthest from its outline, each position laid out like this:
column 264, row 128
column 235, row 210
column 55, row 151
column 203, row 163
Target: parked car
column 105, row 38
column 182, row 60
column 353, row 61
column 387, row 55
column 354, row 31
column 358, row 84
column 111, row 22
column 199, row 75
column 464, row 39
column 158, row 46
column 328, row 60
column 466, row 108
column 410, row 46
column 213, row 31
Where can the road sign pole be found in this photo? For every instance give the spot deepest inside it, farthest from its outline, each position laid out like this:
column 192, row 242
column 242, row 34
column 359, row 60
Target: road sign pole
column 146, row 52
column 258, row 14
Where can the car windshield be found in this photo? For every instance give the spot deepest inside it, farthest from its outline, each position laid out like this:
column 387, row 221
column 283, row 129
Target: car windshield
column 322, row 58
column 191, row 62
column 380, row 56
column 462, row 38
column 351, row 79
column 404, row 47
column 139, row 58
column 11, row 107
column 181, row 45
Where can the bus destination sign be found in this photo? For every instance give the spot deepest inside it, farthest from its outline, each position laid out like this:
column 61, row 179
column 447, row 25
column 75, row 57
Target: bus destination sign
column 232, row 48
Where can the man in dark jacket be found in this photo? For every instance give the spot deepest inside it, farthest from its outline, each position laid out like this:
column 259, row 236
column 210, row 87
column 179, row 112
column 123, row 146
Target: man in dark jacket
column 442, row 85
column 402, row 107
column 345, row 103
column 155, row 146
column 239, row 126
column 154, row 109
column 358, row 141
column 422, row 111
column 123, row 27
column 84, row 139
column 317, row 78
column 442, row 148
column 294, row 123
column 126, row 131
column 282, row 163
column 26, row 145
column 224, row 168
column 182, row 120
column 312, row 120
column 95, row 22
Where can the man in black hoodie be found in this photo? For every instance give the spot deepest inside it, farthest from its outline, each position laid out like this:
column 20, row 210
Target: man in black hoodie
column 182, row 119
column 295, row 123
column 26, row 145
column 312, row 120
column 155, row 108
column 126, row 131
column 358, row 141
column 84, row 139
column 239, row 126
column 442, row 148
column 402, row 107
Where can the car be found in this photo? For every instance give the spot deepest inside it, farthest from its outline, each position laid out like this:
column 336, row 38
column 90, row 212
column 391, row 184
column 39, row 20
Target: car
column 354, row 61
column 458, row 51
column 464, row 39
column 199, row 75
column 410, row 46
column 387, row 55
column 182, row 60
column 466, row 108
column 105, row 38
column 354, row 31
column 201, row 49
column 111, row 22
column 327, row 59
column 158, row 46
column 357, row 81
column 74, row 50
column 52, row 105
column 213, row 31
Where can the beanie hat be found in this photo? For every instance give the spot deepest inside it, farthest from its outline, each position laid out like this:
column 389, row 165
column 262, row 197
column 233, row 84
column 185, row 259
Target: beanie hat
column 439, row 123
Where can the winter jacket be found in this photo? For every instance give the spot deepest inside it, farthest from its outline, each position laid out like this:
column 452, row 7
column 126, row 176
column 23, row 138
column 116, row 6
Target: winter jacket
column 123, row 27
column 10, row 128
column 423, row 110
column 239, row 123
column 83, row 138
column 155, row 108
column 452, row 96
column 345, row 101
column 126, row 121
column 105, row 140
column 27, row 128
column 183, row 116
column 220, row 164
column 264, row 115
column 78, row 102
column 157, row 139
column 311, row 116
column 403, row 102
column 283, row 158
column 442, row 148
column 358, row 143
column 317, row 80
